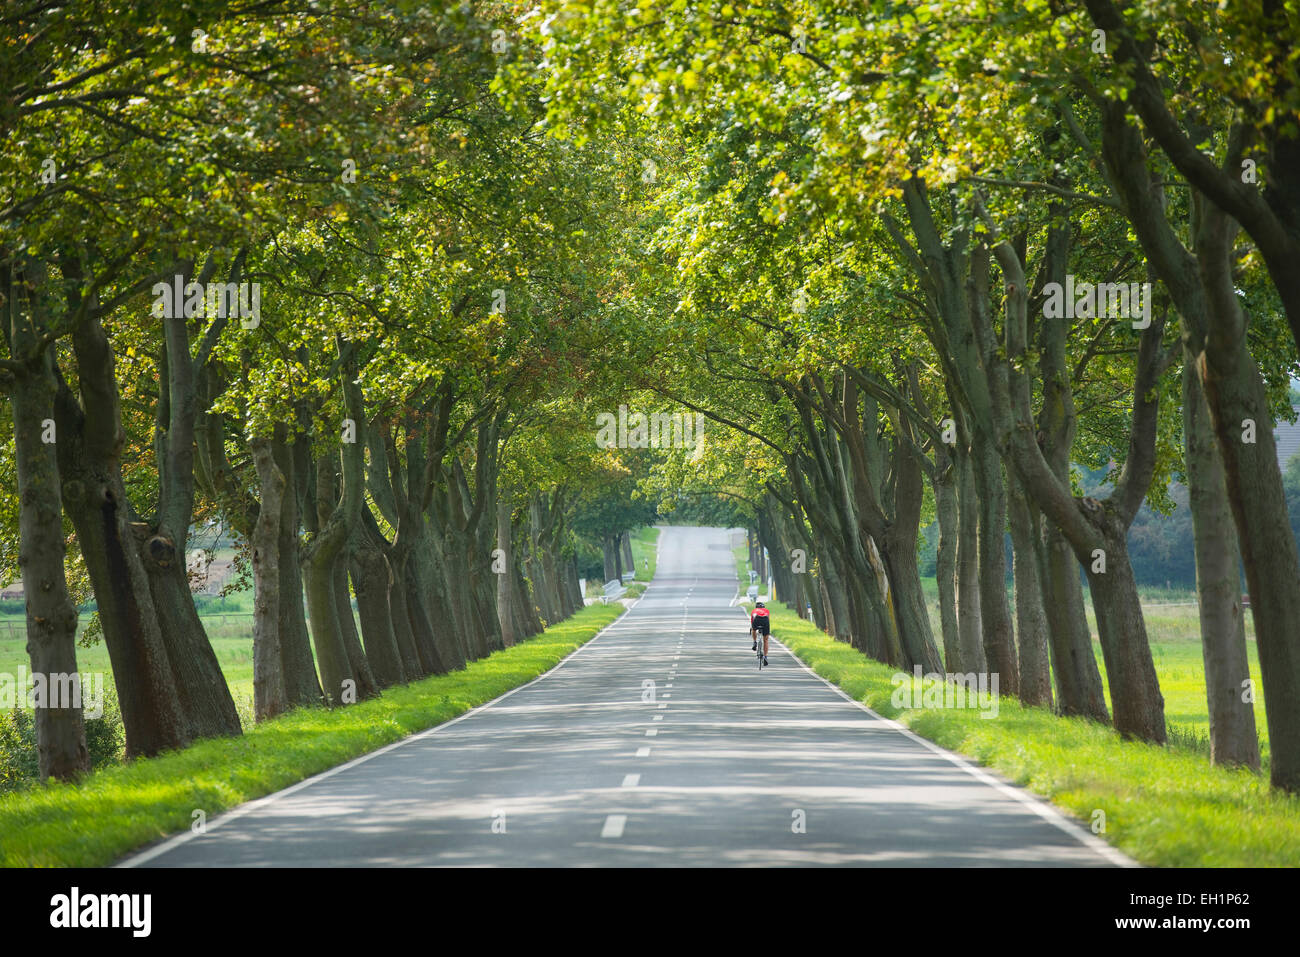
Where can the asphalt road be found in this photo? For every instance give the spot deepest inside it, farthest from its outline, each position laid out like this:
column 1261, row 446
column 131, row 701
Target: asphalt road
column 724, row 766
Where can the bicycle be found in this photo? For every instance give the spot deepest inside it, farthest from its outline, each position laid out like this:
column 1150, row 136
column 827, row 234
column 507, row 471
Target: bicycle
column 758, row 645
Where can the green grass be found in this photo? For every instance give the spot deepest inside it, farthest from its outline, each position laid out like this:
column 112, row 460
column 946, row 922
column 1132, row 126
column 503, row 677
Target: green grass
column 109, row 813
column 645, row 551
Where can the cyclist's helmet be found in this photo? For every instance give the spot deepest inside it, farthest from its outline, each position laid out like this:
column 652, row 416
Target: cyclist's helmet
column 759, row 605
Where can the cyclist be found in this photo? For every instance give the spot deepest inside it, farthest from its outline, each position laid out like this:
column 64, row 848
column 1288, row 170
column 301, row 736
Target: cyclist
column 760, row 621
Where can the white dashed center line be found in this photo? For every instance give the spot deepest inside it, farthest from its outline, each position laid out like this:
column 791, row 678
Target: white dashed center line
column 643, row 752
column 614, row 825
column 631, row 780
column 652, row 732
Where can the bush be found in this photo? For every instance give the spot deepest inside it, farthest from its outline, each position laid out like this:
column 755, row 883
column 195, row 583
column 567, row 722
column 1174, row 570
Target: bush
column 20, row 758
column 19, row 765
column 106, row 735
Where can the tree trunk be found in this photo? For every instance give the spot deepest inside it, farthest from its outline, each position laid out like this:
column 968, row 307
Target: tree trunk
column 995, row 612
column 336, row 672
column 1135, row 694
column 909, row 605
column 203, row 693
column 301, row 683
column 574, row 583
column 525, row 608
column 611, row 567
column 837, row 595
column 51, row 615
column 367, row 684
column 945, row 570
column 1079, row 691
column 969, row 618
column 269, row 695
column 372, row 580
column 629, row 560
column 337, row 677
column 828, row 611
column 457, row 589
column 504, row 565
column 400, row 613
column 1233, row 739
column 1031, row 616
column 432, row 613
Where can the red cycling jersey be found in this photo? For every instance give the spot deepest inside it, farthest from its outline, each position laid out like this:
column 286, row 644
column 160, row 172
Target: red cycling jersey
column 760, row 619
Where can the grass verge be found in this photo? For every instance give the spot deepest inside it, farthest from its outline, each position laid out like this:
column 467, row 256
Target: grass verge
column 645, row 552
column 107, row 814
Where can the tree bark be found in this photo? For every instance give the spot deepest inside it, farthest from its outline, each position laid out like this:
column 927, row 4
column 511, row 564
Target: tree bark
column 51, row 615
column 970, row 632
column 995, row 611
column 269, row 695
column 629, row 560
column 945, row 570
column 372, row 580
column 367, row 685
column 301, row 683
column 611, row 568
column 505, row 576
column 1233, row 739
column 1031, row 617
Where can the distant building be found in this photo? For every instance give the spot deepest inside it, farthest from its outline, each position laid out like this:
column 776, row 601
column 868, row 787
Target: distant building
column 1287, row 437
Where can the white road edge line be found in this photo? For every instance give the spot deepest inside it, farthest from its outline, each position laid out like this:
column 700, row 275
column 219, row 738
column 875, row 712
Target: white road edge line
column 143, row 857
column 1036, row 804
